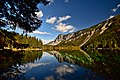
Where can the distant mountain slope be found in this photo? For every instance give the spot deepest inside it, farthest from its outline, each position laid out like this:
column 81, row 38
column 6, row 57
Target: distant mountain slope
column 108, row 35
column 104, row 34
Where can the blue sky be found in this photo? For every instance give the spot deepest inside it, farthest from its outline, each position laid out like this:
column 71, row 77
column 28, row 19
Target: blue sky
column 66, row 16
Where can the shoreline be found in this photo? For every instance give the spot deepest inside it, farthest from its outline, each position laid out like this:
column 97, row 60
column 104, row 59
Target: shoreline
column 26, row 49
column 40, row 49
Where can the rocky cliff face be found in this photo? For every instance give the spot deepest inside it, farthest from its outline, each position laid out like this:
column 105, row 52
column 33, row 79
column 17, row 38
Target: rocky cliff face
column 70, row 37
column 92, row 35
column 57, row 40
column 60, row 38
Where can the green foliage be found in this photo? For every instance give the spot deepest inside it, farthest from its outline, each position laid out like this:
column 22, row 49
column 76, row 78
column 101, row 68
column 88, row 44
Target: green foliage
column 20, row 13
column 32, row 41
column 10, row 61
column 30, row 56
column 106, row 61
column 14, row 40
column 6, row 38
column 8, row 58
column 109, row 39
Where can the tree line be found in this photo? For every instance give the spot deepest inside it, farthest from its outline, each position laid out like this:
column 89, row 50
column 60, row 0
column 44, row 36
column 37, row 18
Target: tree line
column 15, row 40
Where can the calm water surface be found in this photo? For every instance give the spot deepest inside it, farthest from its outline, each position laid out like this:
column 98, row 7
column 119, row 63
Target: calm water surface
column 52, row 65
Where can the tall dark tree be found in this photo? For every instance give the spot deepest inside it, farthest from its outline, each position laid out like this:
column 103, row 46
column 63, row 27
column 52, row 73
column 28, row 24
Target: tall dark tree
column 20, row 13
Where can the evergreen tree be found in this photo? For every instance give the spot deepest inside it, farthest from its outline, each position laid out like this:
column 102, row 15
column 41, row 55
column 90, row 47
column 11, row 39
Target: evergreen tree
column 20, row 13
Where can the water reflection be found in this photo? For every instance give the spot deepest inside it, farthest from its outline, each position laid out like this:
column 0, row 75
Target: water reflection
column 106, row 62
column 11, row 61
column 51, row 65
column 61, row 58
column 74, row 57
column 56, row 70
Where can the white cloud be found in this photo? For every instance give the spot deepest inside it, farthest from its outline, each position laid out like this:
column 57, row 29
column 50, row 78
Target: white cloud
column 51, row 20
column 118, row 5
column 111, row 17
column 63, row 18
column 29, row 66
column 66, row 1
column 64, row 28
column 72, row 30
column 115, row 9
column 51, row 1
column 39, row 14
column 65, row 69
column 39, row 32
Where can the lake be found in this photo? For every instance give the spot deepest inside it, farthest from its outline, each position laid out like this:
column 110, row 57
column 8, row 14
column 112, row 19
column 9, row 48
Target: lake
column 58, row 65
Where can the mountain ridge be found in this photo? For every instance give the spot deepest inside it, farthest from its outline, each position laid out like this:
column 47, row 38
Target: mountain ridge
column 86, row 35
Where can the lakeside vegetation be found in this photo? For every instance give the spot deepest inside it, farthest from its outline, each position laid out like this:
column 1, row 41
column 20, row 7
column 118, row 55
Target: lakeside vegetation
column 12, row 40
column 49, row 47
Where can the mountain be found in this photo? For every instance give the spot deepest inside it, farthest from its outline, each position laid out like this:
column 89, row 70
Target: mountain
column 105, row 34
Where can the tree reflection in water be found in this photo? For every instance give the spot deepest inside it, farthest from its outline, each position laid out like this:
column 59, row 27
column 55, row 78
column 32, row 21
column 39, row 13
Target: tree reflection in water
column 105, row 62
column 59, row 65
column 10, row 61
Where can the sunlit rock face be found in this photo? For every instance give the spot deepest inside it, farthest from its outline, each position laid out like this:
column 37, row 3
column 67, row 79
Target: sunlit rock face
column 81, row 37
column 61, row 38
column 57, row 40
column 70, row 37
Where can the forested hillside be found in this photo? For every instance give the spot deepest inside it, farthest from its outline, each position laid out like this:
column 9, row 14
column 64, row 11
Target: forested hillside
column 15, row 40
column 103, row 35
column 31, row 41
column 109, row 38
